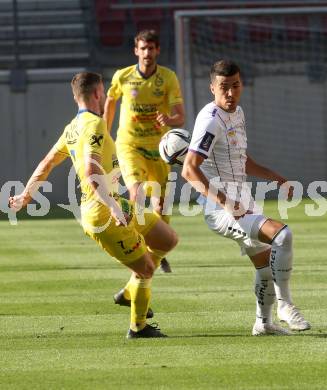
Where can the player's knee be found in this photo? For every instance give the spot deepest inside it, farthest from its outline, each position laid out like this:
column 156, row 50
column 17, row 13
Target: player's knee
column 283, row 237
column 173, row 240
column 147, row 271
column 170, row 242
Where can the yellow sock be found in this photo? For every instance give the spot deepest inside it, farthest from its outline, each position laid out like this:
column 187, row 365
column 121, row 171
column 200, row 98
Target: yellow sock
column 127, row 294
column 140, row 290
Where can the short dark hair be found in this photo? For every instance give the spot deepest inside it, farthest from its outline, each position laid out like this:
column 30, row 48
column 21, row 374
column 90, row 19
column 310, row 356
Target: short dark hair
column 147, row 36
column 83, row 84
column 224, row 68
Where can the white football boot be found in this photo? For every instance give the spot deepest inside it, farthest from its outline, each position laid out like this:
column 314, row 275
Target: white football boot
column 261, row 329
column 291, row 315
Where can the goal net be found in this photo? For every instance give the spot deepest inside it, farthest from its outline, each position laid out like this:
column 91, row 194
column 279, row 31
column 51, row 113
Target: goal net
column 282, row 53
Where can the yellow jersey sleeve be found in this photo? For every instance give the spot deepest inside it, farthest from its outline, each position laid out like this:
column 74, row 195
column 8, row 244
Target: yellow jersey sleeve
column 115, row 90
column 174, row 91
column 61, row 145
column 94, row 138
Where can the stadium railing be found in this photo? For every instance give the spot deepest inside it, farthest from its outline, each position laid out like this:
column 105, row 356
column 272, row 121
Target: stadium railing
column 43, row 34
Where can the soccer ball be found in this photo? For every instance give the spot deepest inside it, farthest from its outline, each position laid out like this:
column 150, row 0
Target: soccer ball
column 173, row 146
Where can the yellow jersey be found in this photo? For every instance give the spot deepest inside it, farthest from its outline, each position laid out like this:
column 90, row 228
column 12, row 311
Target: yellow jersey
column 85, row 134
column 142, row 98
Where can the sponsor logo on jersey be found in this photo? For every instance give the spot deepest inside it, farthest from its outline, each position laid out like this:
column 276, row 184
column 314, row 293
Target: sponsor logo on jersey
column 143, row 108
column 144, row 118
column 134, row 83
column 206, row 141
column 134, row 92
column 72, row 134
column 158, row 92
column 96, row 140
column 128, row 251
column 115, row 162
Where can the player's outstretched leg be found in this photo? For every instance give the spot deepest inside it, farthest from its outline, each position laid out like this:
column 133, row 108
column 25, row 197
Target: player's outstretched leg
column 281, row 264
column 160, row 239
column 265, row 294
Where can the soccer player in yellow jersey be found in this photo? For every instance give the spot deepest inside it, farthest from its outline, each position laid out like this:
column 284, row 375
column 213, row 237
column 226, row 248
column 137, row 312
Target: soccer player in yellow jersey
column 151, row 104
column 106, row 217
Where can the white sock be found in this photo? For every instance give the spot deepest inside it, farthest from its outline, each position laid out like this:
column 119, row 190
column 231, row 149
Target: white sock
column 281, row 258
column 265, row 293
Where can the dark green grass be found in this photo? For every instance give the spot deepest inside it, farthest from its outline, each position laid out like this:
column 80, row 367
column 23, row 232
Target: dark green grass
column 60, row 330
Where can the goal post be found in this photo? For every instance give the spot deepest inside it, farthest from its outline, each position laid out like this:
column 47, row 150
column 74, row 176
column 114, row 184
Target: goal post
column 282, row 53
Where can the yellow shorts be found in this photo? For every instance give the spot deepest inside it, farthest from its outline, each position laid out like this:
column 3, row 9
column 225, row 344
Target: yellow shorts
column 125, row 243
column 139, row 165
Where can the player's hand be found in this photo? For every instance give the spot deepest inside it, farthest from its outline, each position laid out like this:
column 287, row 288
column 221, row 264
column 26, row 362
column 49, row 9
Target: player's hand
column 290, row 192
column 17, row 202
column 288, row 189
column 121, row 218
column 162, row 119
column 236, row 209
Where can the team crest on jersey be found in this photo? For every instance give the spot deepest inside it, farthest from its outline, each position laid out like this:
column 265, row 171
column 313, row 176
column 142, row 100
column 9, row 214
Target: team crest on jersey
column 231, row 133
column 158, row 81
column 206, row 141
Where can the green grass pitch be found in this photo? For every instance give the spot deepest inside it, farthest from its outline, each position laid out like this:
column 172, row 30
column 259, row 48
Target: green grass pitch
column 59, row 328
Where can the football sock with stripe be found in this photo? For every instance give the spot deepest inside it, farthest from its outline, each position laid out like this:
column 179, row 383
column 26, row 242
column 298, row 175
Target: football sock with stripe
column 140, row 292
column 265, row 294
column 281, row 259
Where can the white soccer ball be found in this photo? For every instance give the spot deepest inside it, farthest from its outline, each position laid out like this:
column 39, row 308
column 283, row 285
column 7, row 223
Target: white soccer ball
column 173, row 146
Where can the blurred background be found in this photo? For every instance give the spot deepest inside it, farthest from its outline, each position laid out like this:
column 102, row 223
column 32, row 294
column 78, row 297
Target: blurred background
column 281, row 47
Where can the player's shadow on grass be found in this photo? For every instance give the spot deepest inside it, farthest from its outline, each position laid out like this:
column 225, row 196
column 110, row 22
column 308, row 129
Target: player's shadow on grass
column 319, row 335
column 223, row 335
column 220, row 335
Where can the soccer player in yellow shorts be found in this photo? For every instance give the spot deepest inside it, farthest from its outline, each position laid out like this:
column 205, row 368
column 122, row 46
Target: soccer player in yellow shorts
column 106, row 217
column 151, row 104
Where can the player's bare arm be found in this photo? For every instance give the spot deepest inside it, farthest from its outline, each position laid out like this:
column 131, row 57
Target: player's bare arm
column 255, row 169
column 176, row 118
column 95, row 176
column 41, row 173
column 193, row 174
column 109, row 111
